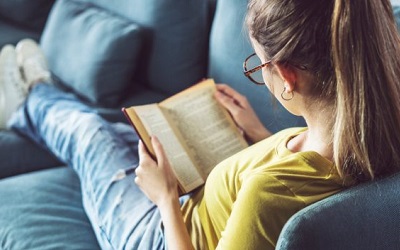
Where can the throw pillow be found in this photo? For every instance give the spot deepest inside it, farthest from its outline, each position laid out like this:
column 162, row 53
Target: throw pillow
column 91, row 50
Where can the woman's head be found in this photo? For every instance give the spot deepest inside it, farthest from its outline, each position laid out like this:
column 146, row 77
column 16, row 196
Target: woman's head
column 351, row 50
column 296, row 33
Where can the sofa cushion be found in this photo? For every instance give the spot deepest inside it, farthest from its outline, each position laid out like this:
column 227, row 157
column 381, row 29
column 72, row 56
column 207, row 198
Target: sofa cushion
column 43, row 210
column 19, row 155
column 176, row 48
column 31, row 14
column 91, row 50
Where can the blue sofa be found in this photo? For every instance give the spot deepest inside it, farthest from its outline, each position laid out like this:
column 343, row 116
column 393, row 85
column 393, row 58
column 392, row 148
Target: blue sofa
column 127, row 52
column 21, row 19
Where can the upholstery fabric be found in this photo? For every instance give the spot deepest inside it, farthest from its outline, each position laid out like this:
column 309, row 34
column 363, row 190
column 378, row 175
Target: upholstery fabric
column 12, row 34
column 229, row 47
column 364, row 217
column 31, row 14
column 176, row 40
column 33, row 208
column 91, row 50
column 396, row 12
column 26, row 156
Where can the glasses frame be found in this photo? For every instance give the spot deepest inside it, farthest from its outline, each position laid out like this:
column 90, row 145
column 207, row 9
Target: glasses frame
column 247, row 72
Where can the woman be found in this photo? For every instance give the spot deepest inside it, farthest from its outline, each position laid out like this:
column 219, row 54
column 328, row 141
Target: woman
column 335, row 62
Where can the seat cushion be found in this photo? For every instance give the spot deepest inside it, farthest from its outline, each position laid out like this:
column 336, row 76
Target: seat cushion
column 91, row 50
column 19, row 155
column 43, row 210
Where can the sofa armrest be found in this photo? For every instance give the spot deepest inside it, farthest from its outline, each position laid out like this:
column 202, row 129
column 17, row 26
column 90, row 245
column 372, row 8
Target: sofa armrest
column 20, row 155
column 362, row 217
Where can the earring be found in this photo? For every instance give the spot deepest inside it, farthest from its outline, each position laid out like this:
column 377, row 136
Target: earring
column 286, row 98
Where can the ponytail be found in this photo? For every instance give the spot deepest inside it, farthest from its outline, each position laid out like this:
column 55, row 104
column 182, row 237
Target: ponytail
column 366, row 63
column 352, row 49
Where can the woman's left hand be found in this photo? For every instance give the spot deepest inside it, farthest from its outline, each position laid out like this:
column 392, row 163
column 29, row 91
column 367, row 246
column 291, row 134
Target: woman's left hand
column 156, row 178
column 242, row 112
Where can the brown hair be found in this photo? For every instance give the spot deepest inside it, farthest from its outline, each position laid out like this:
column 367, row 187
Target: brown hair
column 352, row 49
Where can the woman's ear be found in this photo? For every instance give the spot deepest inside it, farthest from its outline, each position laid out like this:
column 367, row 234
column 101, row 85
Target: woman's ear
column 288, row 75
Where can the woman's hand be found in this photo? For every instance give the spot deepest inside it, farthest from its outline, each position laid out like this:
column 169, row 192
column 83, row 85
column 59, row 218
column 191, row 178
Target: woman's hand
column 158, row 182
column 156, row 178
column 242, row 112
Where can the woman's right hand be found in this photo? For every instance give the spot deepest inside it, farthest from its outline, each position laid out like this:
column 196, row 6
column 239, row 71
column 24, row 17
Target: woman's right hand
column 242, row 112
column 155, row 177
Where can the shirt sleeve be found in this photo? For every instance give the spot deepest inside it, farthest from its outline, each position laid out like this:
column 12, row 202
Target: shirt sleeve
column 262, row 207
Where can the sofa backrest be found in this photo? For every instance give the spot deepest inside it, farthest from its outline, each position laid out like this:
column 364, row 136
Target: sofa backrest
column 229, row 46
column 174, row 52
column 178, row 39
column 27, row 14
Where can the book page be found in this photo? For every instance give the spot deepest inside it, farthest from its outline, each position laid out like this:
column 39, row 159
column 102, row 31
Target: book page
column 141, row 131
column 155, row 123
column 205, row 126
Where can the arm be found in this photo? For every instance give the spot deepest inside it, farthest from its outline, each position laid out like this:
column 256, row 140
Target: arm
column 175, row 229
column 158, row 182
column 242, row 113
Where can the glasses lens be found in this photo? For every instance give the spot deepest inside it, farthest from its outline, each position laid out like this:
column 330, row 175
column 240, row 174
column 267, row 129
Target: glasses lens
column 253, row 62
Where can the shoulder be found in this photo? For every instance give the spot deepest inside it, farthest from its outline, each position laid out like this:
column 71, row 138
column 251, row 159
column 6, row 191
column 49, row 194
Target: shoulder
column 265, row 148
column 266, row 190
column 288, row 132
column 275, row 141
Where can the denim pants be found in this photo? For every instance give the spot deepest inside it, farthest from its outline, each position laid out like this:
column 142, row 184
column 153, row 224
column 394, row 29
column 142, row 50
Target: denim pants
column 99, row 152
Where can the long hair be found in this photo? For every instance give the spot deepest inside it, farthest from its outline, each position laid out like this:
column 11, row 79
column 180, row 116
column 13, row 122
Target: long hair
column 352, row 48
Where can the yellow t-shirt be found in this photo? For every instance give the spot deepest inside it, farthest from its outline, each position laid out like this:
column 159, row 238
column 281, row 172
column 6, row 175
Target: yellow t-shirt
column 248, row 198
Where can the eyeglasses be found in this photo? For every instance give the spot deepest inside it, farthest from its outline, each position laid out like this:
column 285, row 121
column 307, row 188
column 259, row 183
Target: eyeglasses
column 251, row 69
column 252, row 66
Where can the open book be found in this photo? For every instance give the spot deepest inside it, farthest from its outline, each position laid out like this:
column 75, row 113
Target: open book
column 194, row 129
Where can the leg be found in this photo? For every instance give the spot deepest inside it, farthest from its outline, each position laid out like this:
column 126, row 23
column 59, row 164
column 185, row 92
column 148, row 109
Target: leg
column 121, row 215
column 126, row 133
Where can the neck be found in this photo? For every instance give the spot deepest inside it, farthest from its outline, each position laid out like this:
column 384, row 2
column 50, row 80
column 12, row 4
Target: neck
column 318, row 137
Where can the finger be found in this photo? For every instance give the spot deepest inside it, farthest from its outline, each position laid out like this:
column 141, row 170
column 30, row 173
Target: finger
column 143, row 154
column 137, row 181
column 141, row 149
column 138, row 170
column 228, row 102
column 221, row 86
column 240, row 101
column 159, row 150
column 227, row 90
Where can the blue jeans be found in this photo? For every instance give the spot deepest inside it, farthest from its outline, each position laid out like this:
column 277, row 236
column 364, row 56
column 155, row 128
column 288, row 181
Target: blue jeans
column 121, row 215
